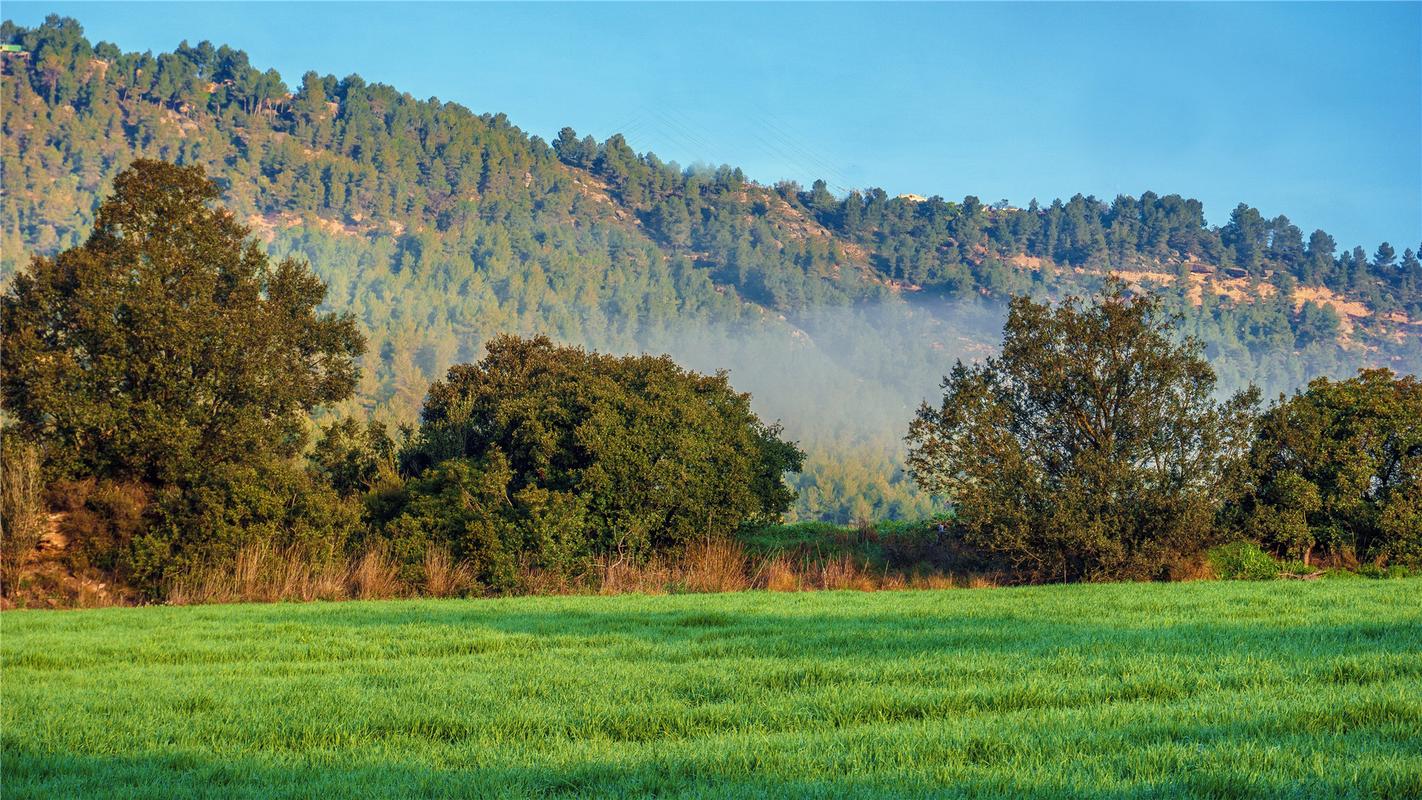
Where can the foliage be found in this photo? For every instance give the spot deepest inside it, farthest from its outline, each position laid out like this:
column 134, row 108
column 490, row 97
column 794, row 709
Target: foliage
column 166, row 344
column 1222, row 689
column 632, row 453
column 1092, row 447
column 272, row 501
column 167, row 352
column 1338, row 468
column 1243, row 561
column 439, row 229
column 352, row 458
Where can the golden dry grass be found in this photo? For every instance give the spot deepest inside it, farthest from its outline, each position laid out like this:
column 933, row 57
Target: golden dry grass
column 264, row 574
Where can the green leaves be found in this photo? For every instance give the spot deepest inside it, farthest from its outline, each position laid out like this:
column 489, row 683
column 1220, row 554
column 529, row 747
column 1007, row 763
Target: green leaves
column 166, row 344
column 166, row 352
column 1339, row 467
column 1092, row 447
column 654, row 455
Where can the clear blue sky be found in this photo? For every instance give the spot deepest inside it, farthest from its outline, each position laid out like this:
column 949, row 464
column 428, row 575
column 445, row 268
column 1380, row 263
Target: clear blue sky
column 1313, row 110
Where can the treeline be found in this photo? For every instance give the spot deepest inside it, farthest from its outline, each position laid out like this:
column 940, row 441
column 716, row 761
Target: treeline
column 161, row 380
column 1094, row 447
column 438, row 229
column 160, row 377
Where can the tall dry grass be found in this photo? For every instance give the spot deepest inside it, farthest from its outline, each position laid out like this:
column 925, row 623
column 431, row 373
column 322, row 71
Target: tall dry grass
column 724, row 566
column 264, row 574
column 444, row 577
column 23, row 515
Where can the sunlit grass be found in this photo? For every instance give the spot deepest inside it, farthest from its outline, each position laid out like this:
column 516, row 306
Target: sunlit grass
column 1275, row 689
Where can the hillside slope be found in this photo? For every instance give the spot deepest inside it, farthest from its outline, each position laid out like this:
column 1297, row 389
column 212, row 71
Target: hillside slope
column 438, row 228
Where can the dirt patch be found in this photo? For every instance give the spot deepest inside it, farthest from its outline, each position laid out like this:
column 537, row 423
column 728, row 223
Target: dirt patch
column 265, row 226
column 1347, row 310
column 45, row 578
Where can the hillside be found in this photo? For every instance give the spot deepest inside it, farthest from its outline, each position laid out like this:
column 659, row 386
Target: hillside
column 439, row 228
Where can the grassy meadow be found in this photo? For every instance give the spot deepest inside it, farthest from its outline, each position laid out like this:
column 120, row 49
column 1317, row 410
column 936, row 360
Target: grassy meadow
column 1216, row 689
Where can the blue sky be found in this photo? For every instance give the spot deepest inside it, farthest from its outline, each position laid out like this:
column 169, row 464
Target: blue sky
column 1308, row 109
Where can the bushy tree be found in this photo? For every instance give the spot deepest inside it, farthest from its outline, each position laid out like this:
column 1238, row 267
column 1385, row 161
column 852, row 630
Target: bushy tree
column 353, row 458
column 1092, row 447
column 634, row 453
column 166, row 352
column 1337, row 468
column 167, row 343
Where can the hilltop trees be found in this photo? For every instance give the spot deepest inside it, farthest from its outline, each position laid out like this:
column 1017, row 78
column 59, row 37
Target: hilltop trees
column 1092, row 447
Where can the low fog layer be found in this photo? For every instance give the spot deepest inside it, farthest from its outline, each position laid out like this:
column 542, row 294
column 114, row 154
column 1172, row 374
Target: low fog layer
column 846, row 376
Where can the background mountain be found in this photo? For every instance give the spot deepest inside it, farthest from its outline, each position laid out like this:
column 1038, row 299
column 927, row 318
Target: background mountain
column 439, row 228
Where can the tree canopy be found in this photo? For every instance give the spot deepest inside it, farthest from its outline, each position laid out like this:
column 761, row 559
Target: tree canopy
column 169, row 361
column 1336, row 469
column 635, row 452
column 1091, row 447
column 167, row 342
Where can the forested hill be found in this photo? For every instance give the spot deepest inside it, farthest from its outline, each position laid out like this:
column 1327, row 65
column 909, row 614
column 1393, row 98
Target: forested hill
column 438, row 228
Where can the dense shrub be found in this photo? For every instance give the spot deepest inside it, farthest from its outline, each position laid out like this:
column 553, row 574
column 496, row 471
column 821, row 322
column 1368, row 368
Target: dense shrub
column 1337, row 469
column 352, row 458
column 274, row 503
column 550, row 453
column 1243, row 561
column 100, row 520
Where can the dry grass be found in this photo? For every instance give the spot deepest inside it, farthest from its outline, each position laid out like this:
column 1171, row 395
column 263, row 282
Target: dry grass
column 262, row 574
column 715, row 566
column 374, row 576
column 265, row 575
column 723, row 566
column 444, row 577
column 23, row 516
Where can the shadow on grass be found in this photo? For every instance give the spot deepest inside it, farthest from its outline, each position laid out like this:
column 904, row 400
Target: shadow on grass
column 752, row 632
column 32, row 775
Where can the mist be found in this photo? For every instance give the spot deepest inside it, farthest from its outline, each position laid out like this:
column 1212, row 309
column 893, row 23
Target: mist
column 842, row 376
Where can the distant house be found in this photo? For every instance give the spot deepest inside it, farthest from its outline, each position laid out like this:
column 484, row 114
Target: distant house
column 913, row 198
column 13, row 51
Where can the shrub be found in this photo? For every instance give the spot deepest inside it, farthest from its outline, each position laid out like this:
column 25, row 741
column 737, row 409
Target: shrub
column 1243, row 561
column 602, row 454
column 461, row 505
column 1376, row 571
column 101, row 520
column 272, row 503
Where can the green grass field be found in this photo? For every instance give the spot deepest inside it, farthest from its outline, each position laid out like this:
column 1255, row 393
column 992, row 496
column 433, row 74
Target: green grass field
column 1279, row 689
